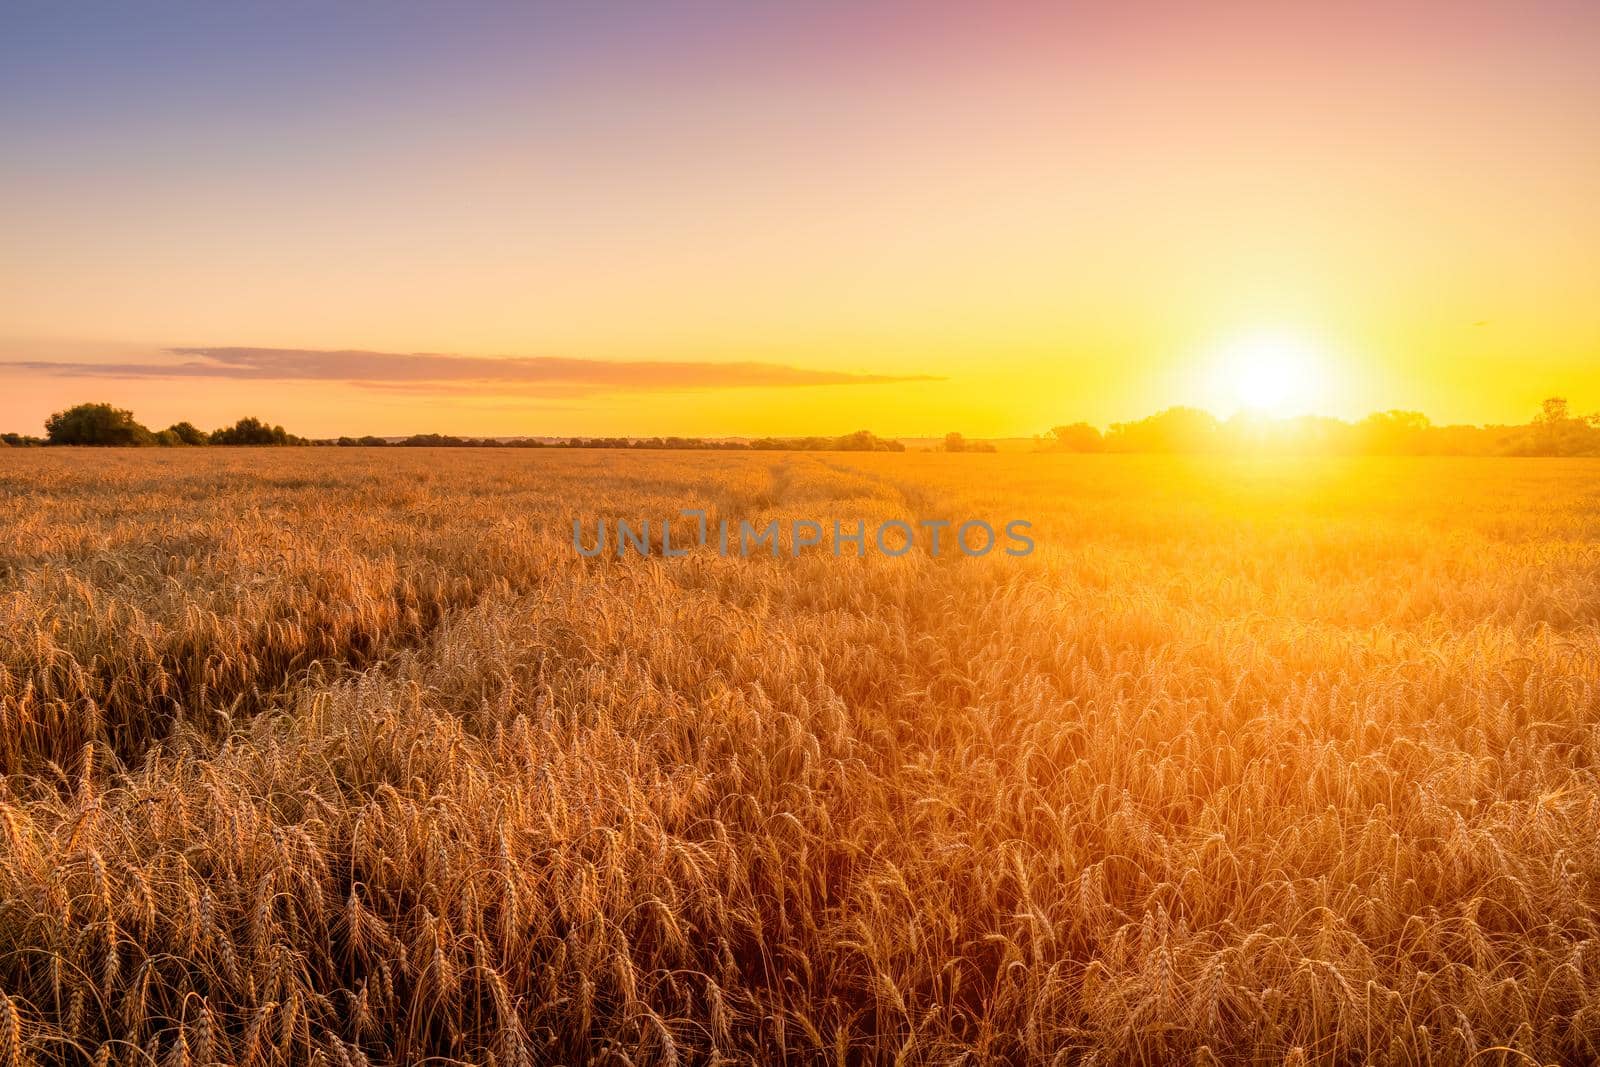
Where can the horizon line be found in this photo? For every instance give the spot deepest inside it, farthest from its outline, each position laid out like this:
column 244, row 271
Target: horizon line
column 1241, row 416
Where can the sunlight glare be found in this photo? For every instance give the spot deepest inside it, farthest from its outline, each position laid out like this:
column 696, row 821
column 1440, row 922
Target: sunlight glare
column 1271, row 374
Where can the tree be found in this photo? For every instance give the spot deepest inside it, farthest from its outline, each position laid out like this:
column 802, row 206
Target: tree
column 954, row 442
column 252, row 431
column 1177, row 429
column 863, row 441
column 1393, row 433
column 434, row 440
column 188, row 433
column 1078, row 437
column 1556, row 431
column 96, row 424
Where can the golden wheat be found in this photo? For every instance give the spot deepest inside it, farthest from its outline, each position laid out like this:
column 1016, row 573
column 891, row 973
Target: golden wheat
column 347, row 757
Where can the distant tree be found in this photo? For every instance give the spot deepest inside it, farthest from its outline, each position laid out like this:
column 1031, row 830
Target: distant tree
column 1078, row 437
column 1555, row 431
column 860, row 441
column 96, row 424
column 435, row 440
column 1393, row 433
column 188, row 433
column 1174, row 430
column 252, row 431
column 954, row 442
column 1549, row 426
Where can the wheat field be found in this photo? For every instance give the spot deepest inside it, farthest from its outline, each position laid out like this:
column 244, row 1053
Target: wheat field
column 346, row 756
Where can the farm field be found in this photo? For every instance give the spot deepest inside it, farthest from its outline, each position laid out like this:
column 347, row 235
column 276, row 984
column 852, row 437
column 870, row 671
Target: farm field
column 346, row 756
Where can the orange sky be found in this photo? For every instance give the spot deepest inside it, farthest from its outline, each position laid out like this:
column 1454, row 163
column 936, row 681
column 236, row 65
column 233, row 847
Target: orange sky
column 913, row 218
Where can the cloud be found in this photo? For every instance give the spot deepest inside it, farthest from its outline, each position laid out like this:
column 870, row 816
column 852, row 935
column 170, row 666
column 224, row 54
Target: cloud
column 429, row 371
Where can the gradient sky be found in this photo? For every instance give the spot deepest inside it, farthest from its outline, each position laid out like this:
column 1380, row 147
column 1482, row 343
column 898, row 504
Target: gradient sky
column 916, row 218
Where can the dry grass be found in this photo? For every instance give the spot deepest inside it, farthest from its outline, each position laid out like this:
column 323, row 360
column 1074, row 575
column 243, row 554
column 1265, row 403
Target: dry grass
column 340, row 757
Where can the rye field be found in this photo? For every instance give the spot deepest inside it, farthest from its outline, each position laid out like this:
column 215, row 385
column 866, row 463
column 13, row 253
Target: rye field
column 345, row 756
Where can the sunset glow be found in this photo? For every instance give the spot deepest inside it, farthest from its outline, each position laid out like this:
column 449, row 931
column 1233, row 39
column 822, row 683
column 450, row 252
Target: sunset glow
column 913, row 217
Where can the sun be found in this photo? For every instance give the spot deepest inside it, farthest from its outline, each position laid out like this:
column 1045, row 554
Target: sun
column 1271, row 373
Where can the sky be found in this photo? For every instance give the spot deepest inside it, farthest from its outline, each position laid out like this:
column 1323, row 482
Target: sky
column 794, row 218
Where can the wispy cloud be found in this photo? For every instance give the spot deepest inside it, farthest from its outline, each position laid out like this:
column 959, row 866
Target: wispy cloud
column 427, row 371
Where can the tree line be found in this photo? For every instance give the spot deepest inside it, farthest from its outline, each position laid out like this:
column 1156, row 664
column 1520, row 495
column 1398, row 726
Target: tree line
column 104, row 425
column 1554, row 431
